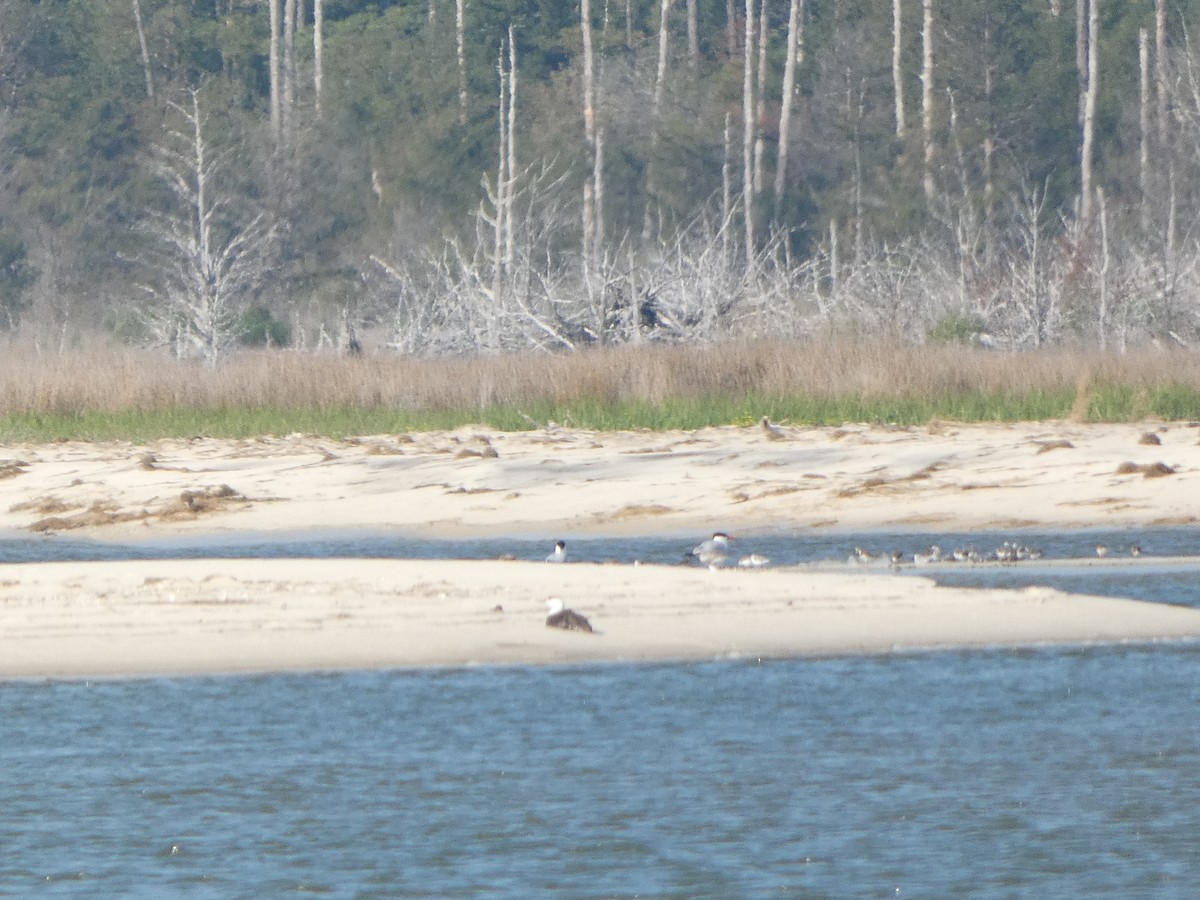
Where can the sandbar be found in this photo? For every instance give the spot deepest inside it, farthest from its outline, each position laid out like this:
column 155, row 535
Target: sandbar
column 175, row 617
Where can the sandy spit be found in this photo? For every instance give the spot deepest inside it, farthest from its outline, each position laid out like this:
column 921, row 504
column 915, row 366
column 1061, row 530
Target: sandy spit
column 135, row 618
column 195, row 616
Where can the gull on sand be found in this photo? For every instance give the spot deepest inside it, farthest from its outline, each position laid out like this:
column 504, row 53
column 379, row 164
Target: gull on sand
column 567, row 619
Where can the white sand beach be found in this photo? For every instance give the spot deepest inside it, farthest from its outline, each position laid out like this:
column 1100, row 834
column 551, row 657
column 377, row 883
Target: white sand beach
column 128, row 618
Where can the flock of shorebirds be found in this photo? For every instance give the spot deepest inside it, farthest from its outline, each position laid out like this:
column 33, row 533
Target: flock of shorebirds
column 1007, row 552
column 713, row 553
column 716, row 552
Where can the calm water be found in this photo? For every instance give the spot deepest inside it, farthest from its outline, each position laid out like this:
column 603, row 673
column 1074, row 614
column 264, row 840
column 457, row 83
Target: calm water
column 985, row 774
column 1179, row 584
column 982, row 774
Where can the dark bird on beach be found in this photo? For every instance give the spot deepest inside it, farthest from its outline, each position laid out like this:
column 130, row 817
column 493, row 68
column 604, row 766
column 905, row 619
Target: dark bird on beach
column 567, row 619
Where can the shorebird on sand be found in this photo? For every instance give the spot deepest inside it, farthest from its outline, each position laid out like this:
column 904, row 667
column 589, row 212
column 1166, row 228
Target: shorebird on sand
column 567, row 619
column 559, row 554
column 714, row 551
column 772, row 431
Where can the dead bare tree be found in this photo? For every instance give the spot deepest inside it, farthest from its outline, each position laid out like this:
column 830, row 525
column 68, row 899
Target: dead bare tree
column 210, row 256
column 1032, row 314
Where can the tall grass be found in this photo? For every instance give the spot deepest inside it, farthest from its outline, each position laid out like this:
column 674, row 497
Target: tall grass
column 105, row 392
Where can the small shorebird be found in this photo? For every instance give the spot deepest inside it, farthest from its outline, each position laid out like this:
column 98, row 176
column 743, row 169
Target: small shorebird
column 715, row 550
column 925, row 557
column 772, row 431
column 1135, row 550
column 560, row 617
column 753, row 561
column 1102, row 550
column 560, row 553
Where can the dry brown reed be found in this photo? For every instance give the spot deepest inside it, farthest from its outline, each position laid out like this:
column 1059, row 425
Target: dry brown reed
column 112, row 379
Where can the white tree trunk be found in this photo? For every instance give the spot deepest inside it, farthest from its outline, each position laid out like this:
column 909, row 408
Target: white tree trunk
column 1102, row 314
column 319, row 51
column 511, row 182
column 726, row 180
column 503, row 175
column 989, row 141
column 1144, row 118
column 897, row 70
column 748, row 134
column 1160, row 68
column 761, row 108
column 835, row 266
column 664, row 33
column 927, row 96
column 460, row 42
column 795, row 44
column 1089, row 112
column 289, row 65
column 141, row 34
column 274, row 71
column 693, row 35
column 1081, row 53
column 589, row 129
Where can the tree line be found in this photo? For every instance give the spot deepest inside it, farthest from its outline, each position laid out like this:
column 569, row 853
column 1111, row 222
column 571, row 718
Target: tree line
column 455, row 176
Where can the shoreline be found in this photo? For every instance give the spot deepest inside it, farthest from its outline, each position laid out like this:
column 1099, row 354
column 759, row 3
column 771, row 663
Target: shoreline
column 114, row 619
column 205, row 616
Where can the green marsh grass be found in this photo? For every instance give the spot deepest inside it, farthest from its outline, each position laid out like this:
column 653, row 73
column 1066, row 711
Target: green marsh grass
column 110, row 393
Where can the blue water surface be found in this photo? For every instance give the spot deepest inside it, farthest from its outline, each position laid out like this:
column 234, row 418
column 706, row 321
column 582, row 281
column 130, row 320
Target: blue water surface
column 1177, row 584
column 983, row 774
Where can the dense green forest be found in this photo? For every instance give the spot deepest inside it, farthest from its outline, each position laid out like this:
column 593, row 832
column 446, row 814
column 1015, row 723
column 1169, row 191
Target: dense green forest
column 453, row 176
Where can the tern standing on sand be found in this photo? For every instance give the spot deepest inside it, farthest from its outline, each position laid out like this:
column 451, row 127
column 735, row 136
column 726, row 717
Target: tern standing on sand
column 559, row 554
column 714, row 551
